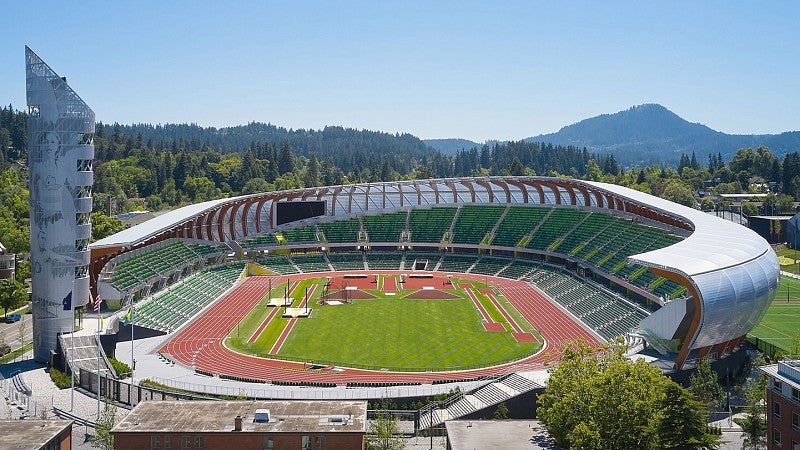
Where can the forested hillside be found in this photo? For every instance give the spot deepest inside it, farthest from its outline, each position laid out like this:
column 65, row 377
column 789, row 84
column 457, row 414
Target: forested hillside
column 162, row 167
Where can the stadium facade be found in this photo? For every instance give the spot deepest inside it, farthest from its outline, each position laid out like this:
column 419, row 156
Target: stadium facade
column 729, row 274
column 60, row 156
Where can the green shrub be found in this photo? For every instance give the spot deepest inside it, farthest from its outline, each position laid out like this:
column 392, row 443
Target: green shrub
column 4, row 348
column 60, row 379
column 123, row 370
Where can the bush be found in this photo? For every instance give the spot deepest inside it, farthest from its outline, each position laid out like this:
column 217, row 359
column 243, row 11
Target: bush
column 123, row 370
column 4, row 348
column 60, row 379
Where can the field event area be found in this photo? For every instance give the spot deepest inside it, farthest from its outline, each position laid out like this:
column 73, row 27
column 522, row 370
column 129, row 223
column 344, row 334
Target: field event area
column 384, row 321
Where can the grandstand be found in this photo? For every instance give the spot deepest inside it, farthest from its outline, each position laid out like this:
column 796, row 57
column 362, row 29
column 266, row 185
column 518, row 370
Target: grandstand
column 387, row 227
column 153, row 266
column 311, row 262
column 456, row 263
column 172, row 307
column 346, row 261
column 474, row 223
column 518, row 223
column 605, row 313
column 430, row 225
column 279, row 264
column 302, row 235
column 384, row 260
column 346, row 230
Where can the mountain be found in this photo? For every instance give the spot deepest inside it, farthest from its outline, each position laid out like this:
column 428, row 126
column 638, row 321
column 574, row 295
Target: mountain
column 450, row 146
column 651, row 133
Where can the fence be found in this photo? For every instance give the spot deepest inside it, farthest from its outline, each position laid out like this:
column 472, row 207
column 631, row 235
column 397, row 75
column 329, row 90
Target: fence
column 768, row 348
column 125, row 393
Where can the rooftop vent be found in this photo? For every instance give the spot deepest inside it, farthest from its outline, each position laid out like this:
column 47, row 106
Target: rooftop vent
column 261, row 416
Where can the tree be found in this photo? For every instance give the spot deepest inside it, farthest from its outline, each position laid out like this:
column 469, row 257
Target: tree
column 754, row 424
column 704, row 384
column 682, row 424
column 591, row 395
column 312, row 177
column 108, row 418
column 12, row 294
column 679, row 192
column 749, row 208
column 501, row 412
column 286, row 159
column 588, row 393
column 516, row 167
column 383, row 433
column 103, row 226
column 256, row 186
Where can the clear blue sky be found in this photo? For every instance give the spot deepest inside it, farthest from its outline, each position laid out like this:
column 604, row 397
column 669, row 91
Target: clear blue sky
column 483, row 70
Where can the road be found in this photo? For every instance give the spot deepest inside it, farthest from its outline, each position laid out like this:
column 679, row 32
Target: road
column 9, row 332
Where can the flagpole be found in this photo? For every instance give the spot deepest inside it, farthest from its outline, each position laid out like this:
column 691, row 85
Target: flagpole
column 133, row 361
column 72, row 365
column 97, row 308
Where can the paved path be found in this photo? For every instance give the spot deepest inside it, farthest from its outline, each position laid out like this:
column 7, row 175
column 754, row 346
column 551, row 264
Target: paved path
column 45, row 396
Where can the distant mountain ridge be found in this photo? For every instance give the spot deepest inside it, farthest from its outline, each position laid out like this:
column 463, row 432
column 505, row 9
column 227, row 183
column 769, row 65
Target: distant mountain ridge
column 651, row 133
column 643, row 135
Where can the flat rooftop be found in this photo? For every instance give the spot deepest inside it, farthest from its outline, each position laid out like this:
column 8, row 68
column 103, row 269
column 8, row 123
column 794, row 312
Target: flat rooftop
column 505, row 434
column 30, row 434
column 215, row 417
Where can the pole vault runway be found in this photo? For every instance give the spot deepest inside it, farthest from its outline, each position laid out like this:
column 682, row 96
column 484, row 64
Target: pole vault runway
column 199, row 345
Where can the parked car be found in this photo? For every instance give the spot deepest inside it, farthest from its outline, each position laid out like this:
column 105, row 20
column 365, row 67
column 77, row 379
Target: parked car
column 13, row 318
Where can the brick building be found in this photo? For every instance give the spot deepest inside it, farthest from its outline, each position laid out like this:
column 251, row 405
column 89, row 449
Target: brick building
column 36, row 434
column 783, row 405
column 262, row 425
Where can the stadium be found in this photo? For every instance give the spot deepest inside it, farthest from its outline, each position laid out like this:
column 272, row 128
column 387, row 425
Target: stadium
column 470, row 278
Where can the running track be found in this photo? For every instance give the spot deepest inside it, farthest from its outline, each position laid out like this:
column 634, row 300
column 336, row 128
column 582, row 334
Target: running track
column 199, row 345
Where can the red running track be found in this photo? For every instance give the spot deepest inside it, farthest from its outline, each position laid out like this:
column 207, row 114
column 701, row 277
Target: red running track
column 199, row 345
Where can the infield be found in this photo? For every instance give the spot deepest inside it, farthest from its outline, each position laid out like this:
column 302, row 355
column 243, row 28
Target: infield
column 398, row 332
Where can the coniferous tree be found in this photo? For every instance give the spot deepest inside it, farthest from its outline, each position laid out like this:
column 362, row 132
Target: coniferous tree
column 286, row 159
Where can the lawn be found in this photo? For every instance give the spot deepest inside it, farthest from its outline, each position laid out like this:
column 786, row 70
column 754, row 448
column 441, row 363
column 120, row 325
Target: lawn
column 392, row 333
column 781, row 324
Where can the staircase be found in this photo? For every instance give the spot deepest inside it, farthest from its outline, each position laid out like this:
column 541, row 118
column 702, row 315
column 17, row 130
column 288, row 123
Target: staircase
column 486, row 396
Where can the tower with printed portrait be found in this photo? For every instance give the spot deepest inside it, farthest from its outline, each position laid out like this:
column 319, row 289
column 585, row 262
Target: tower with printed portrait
column 60, row 158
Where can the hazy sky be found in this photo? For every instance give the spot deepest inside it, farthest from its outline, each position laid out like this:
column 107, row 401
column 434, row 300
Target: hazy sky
column 483, row 70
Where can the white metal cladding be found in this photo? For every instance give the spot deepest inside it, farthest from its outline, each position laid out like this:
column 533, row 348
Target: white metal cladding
column 735, row 299
column 60, row 150
column 733, row 269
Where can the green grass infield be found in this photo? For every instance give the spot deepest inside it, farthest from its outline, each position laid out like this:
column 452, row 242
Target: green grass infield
column 388, row 332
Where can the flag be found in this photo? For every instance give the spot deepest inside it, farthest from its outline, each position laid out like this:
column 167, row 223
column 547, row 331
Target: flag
column 67, row 302
column 128, row 317
column 97, row 304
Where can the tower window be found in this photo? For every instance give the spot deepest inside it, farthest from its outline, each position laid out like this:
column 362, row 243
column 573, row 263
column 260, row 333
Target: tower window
column 85, row 138
column 81, row 272
column 85, row 165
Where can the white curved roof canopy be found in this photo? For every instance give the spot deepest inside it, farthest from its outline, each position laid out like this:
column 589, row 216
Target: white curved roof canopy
column 732, row 268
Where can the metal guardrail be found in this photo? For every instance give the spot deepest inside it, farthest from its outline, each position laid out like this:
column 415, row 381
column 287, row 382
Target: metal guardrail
column 61, row 414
